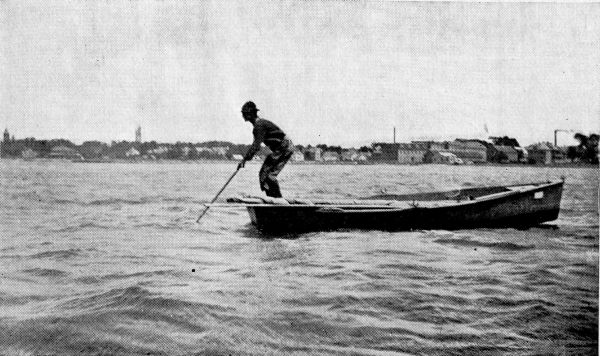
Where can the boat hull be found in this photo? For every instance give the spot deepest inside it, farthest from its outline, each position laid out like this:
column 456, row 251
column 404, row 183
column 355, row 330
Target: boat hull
column 517, row 209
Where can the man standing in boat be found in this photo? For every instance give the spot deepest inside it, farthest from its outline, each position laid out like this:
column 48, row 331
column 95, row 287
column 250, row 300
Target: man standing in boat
column 275, row 139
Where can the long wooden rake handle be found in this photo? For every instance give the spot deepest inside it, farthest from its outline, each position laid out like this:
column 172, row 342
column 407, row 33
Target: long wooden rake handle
column 219, row 193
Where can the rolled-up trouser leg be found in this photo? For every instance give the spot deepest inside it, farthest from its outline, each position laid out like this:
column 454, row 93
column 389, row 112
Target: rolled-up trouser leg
column 263, row 174
column 272, row 166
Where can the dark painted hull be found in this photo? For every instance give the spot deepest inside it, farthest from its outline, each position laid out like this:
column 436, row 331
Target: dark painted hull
column 488, row 207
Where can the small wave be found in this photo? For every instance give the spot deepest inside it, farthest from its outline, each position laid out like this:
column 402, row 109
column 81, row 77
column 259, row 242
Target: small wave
column 179, row 200
column 138, row 298
column 165, row 226
column 542, row 277
column 120, row 276
column 106, row 202
column 59, row 254
column 9, row 299
column 113, row 201
column 81, row 226
column 46, row 272
column 473, row 243
column 29, row 195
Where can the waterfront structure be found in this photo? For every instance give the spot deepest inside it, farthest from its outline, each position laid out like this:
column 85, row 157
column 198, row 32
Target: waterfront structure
column 64, row 152
column 507, row 154
column 387, row 152
column 544, row 153
column 331, row 156
column 523, row 154
column 221, row 150
column 411, row 153
column 442, row 157
column 313, row 154
column 349, row 155
column 468, row 150
column 298, row 156
column 158, row 151
column 28, row 154
column 362, row 157
column 132, row 153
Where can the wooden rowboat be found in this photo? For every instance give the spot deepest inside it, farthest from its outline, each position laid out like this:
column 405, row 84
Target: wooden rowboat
column 516, row 206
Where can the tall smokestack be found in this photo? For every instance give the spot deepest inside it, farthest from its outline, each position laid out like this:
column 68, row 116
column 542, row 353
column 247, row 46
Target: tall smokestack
column 394, row 134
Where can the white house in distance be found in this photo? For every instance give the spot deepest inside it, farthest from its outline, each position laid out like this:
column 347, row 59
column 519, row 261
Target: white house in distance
column 540, row 153
column 298, row 156
column 442, row 157
column 132, row 153
column 28, row 153
column 468, row 150
column 362, row 157
column 65, row 152
column 349, row 155
column 330, row 156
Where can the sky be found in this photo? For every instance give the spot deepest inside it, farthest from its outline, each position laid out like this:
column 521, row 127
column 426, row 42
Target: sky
column 334, row 72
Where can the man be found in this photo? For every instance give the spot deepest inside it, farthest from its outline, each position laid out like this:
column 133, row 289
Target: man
column 275, row 139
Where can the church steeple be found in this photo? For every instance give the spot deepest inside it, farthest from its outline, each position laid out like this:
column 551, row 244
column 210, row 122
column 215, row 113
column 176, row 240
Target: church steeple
column 6, row 136
column 138, row 134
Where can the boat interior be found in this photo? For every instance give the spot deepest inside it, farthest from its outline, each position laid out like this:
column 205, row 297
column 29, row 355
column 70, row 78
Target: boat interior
column 440, row 198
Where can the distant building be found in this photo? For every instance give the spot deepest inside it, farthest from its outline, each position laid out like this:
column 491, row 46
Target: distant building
column 442, row 157
column 28, row 153
column 349, row 155
column 6, row 136
column 540, row 153
column 221, row 151
column 411, row 153
column 523, row 154
column 132, row 153
column 237, row 157
column 383, row 151
column 362, row 157
column 160, row 150
column 331, row 156
column 468, row 150
column 64, row 152
column 298, row 156
column 201, row 149
column 313, row 154
column 507, row 154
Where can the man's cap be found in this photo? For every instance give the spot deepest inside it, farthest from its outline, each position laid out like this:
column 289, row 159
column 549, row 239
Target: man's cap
column 249, row 107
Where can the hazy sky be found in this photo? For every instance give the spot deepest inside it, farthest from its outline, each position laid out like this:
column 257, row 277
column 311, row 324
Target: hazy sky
column 337, row 72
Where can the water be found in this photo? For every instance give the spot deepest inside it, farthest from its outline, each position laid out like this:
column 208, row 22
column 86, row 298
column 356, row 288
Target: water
column 108, row 259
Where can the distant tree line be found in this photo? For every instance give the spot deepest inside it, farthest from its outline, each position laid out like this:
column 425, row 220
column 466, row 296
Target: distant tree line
column 117, row 149
column 587, row 150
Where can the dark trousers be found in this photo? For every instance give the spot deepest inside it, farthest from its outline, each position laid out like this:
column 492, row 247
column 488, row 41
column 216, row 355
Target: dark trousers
column 272, row 166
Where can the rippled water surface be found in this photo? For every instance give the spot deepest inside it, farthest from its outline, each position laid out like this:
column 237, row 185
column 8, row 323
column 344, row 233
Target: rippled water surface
column 108, row 259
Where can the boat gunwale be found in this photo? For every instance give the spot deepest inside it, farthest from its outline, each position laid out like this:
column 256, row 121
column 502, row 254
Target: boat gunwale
column 413, row 204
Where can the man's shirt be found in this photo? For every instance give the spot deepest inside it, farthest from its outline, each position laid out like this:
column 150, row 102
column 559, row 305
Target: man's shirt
column 268, row 133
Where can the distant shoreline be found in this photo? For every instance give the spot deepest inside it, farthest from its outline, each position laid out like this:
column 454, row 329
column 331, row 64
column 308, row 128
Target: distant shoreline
column 330, row 163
